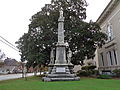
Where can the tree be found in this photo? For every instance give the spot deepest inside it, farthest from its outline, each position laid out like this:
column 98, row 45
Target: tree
column 2, row 55
column 2, row 64
column 83, row 37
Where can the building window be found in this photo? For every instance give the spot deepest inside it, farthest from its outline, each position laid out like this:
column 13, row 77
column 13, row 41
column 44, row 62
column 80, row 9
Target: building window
column 115, row 56
column 110, row 58
column 109, row 32
column 102, row 59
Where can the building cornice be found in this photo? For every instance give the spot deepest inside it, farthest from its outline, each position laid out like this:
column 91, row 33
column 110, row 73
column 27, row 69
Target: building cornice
column 110, row 7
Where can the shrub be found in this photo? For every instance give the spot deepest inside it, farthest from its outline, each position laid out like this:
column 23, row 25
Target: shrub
column 83, row 73
column 88, row 71
column 117, row 72
column 96, row 72
column 43, row 75
column 103, row 76
column 90, row 67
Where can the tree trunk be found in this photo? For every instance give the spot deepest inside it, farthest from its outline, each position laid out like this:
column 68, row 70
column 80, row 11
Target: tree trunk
column 22, row 70
column 35, row 73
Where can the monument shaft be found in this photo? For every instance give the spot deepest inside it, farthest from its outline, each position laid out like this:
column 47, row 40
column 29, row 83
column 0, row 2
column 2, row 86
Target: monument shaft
column 61, row 30
column 61, row 47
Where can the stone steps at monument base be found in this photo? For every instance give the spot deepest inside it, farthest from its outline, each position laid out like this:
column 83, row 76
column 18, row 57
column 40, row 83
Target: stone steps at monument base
column 47, row 79
column 61, row 75
column 65, row 79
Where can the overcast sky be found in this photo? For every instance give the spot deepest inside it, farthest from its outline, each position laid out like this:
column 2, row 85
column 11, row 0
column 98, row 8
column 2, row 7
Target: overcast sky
column 15, row 15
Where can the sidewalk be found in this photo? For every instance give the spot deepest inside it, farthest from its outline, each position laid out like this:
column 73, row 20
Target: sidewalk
column 13, row 76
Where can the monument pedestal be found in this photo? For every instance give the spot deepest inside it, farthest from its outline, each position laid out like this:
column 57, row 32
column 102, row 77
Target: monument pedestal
column 61, row 73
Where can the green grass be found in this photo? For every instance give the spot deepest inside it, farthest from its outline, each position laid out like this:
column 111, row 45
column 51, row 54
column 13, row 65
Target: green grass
column 34, row 83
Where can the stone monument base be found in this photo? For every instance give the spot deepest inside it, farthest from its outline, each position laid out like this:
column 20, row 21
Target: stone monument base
column 60, row 73
column 48, row 79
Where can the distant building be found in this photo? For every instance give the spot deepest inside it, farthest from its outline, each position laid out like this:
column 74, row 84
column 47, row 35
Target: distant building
column 10, row 66
column 109, row 54
column 10, row 62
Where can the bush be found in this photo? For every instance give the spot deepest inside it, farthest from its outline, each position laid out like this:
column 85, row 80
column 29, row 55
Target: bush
column 90, row 67
column 83, row 73
column 116, row 72
column 43, row 75
column 95, row 72
column 104, row 76
column 87, row 73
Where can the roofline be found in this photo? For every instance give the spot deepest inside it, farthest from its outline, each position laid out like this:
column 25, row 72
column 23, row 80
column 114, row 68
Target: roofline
column 106, row 12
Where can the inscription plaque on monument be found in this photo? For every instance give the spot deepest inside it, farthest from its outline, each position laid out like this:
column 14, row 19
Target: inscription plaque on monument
column 60, row 69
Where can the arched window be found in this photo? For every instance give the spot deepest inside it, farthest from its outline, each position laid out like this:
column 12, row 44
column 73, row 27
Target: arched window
column 109, row 32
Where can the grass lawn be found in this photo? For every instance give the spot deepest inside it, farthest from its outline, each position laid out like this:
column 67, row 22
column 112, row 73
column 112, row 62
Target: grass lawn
column 34, row 83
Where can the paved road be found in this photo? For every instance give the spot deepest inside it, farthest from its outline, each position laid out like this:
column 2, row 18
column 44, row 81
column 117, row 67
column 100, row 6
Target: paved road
column 13, row 76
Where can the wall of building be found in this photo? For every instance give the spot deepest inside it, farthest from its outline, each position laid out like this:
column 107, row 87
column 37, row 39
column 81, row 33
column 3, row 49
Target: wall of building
column 114, row 20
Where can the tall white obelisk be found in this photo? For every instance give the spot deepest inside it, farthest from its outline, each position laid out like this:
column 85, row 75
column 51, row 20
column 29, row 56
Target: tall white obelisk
column 60, row 47
column 61, row 70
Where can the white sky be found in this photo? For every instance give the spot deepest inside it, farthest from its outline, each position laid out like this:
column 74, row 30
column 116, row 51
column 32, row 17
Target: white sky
column 15, row 15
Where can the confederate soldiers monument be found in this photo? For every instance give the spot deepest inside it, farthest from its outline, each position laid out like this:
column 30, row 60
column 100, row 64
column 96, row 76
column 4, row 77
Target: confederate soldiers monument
column 61, row 69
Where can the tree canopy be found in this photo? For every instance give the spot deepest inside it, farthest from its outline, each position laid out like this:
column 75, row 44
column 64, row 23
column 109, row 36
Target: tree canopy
column 82, row 37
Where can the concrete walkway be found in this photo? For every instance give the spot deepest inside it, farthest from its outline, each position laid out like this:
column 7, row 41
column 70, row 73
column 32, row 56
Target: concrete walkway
column 13, row 76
